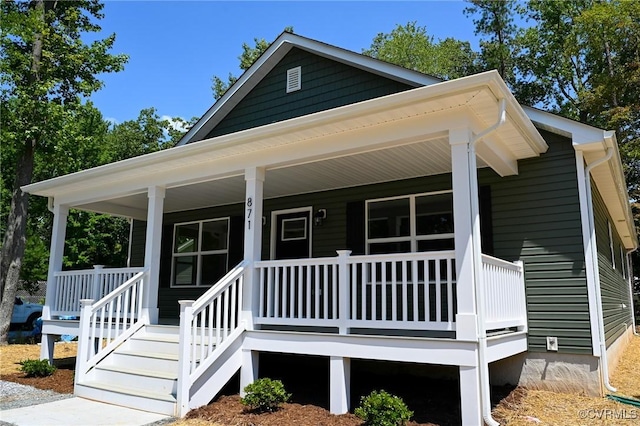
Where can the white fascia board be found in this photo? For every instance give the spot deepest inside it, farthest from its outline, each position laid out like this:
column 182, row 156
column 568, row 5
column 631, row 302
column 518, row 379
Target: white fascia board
column 579, row 133
column 276, row 51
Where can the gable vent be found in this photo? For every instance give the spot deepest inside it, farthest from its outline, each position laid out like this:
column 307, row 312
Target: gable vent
column 294, row 79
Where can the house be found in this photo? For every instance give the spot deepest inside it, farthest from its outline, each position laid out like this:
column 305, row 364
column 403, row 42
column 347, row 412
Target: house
column 334, row 205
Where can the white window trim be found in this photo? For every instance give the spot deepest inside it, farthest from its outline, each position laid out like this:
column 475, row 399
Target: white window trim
column 412, row 238
column 198, row 253
column 613, row 253
column 306, row 225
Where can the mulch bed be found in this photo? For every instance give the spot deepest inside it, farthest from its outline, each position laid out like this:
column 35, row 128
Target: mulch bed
column 60, row 381
column 228, row 410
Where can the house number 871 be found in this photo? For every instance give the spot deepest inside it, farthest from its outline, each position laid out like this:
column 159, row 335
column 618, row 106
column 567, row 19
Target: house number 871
column 249, row 212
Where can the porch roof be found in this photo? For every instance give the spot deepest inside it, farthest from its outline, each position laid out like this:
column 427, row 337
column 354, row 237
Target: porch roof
column 399, row 136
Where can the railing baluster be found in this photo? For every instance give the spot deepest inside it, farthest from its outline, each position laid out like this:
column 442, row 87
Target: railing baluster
column 233, row 306
column 226, row 313
column 414, row 278
column 325, row 292
column 308, row 312
column 438, row 283
column 449, row 291
column 405, row 295
column 277, row 290
column 374, row 291
column 383, row 300
column 292, row 289
column 354, row 291
column 210, row 334
column 285, row 290
column 261, row 284
column 334, row 292
column 427, row 290
column 300, row 291
column 316, row 296
column 394, row 292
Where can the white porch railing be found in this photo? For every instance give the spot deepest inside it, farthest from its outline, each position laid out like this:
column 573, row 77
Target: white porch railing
column 409, row 291
column 207, row 327
column 72, row 286
column 505, row 302
column 108, row 322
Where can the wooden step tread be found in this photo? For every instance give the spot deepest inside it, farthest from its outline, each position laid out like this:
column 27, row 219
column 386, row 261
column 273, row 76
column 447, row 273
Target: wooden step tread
column 138, row 372
column 143, row 393
column 145, row 354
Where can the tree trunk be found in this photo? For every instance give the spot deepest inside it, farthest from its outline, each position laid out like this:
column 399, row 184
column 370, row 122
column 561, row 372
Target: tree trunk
column 16, row 233
column 14, row 240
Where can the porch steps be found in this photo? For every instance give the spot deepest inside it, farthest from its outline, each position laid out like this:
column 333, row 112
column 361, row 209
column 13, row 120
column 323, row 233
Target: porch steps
column 142, row 373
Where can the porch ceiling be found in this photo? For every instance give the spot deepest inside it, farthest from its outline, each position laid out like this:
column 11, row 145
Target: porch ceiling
column 403, row 162
column 393, row 137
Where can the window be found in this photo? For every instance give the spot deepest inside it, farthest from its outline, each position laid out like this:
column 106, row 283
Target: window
column 200, row 252
column 422, row 222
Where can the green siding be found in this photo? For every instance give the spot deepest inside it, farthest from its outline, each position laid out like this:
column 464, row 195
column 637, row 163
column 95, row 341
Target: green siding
column 326, row 84
column 137, row 243
column 536, row 218
column 614, row 288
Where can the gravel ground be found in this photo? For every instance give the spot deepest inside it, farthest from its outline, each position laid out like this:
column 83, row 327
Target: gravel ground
column 15, row 395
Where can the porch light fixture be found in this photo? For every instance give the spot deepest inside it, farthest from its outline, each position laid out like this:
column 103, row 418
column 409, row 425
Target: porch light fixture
column 320, row 215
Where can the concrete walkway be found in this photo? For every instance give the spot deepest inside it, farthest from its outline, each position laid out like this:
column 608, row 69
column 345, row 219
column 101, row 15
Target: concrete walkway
column 78, row 412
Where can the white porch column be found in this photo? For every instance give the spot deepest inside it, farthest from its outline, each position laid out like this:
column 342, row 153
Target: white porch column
column 249, row 370
column 465, row 188
column 339, row 384
column 470, row 405
column 152, row 252
column 58, row 232
column 254, row 178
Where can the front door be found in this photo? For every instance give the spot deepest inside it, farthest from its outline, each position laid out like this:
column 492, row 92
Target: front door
column 292, row 234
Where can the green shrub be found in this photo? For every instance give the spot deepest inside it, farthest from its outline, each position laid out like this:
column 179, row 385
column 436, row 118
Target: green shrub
column 37, row 367
column 383, row 409
column 265, row 395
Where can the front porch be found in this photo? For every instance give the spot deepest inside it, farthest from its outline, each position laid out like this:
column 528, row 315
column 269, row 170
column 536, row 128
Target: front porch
column 419, row 288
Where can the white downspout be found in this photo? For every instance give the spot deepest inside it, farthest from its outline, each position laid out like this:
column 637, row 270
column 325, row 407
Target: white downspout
column 485, row 388
column 594, row 254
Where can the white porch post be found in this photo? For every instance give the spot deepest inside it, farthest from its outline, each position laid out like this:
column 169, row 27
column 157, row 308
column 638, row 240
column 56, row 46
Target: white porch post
column 58, row 232
column 152, row 252
column 249, row 370
column 254, row 178
column 339, row 384
column 470, row 405
column 464, row 177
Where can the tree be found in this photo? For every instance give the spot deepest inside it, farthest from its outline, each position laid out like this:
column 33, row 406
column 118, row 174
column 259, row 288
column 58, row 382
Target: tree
column 46, row 68
column 247, row 58
column 410, row 46
column 494, row 19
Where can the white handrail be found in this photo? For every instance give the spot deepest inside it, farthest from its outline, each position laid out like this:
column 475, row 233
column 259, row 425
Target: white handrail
column 108, row 322
column 207, row 327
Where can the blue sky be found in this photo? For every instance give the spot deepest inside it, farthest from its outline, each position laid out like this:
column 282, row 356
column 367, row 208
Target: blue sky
column 175, row 47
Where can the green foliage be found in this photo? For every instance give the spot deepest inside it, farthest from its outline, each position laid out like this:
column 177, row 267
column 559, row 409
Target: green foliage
column 37, row 367
column 494, row 20
column 249, row 55
column 410, row 46
column 265, row 395
column 383, row 409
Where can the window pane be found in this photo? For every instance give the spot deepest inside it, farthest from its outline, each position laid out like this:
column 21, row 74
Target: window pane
column 435, row 245
column 214, row 235
column 294, row 229
column 383, row 248
column 214, row 266
column 434, row 214
column 184, row 270
column 389, row 218
column 186, row 238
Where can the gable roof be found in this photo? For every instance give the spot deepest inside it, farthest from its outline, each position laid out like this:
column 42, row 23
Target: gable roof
column 270, row 58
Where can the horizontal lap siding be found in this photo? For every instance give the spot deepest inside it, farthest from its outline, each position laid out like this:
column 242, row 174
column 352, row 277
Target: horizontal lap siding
column 614, row 288
column 326, row 84
column 536, row 218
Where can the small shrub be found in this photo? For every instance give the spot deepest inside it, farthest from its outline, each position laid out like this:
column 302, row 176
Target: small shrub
column 37, row 367
column 265, row 395
column 383, row 409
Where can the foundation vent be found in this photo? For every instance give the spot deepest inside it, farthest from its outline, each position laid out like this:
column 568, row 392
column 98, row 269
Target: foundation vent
column 294, row 79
